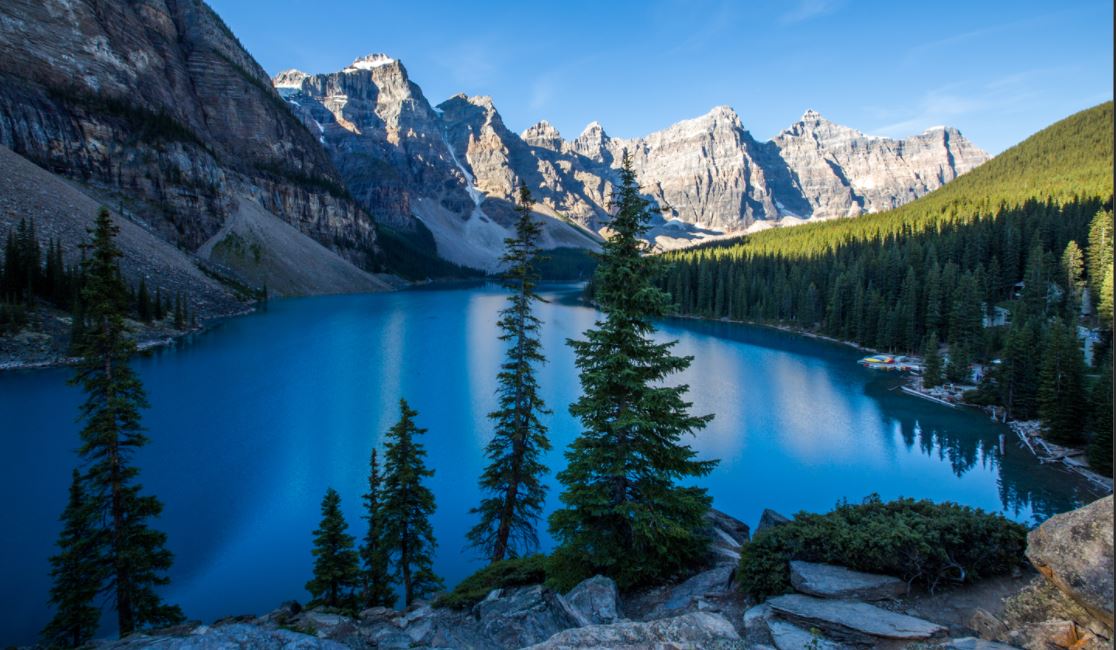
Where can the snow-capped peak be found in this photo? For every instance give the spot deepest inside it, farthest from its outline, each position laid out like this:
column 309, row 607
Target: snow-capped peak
column 289, row 78
column 369, row 62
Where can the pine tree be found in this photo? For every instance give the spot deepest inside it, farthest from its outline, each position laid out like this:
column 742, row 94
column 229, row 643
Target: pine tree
column 407, row 505
column 179, row 312
column 1017, row 374
column 1073, row 278
column 134, row 553
column 510, row 513
column 143, row 302
column 957, row 369
column 624, row 514
column 376, row 588
column 336, row 574
column 932, row 362
column 1099, row 256
column 1100, row 421
column 78, row 571
column 1061, row 385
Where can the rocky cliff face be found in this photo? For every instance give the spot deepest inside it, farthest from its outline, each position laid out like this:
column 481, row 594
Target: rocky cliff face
column 706, row 177
column 453, row 167
column 156, row 108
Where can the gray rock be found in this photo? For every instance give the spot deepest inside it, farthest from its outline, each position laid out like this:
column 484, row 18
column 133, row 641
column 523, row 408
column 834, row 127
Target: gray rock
column 715, row 581
column 787, row 636
column 696, row 630
column 513, row 618
column 973, row 643
column 597, row 600
column 770, row 519
column 830, row 581
column 728, row 534
column 1074, row 551
column 237, row 636
column 852, row 620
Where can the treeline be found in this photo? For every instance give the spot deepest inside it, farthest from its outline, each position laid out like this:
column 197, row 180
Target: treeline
column 1007, row 291
column 999, row 268
column 890, row 292
column 31, row 271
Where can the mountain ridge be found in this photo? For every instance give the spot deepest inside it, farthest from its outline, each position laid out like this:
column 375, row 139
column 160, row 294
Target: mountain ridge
column 707, row 177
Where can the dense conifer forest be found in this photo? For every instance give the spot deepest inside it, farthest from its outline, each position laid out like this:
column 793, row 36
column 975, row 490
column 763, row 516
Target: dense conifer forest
column 1006, row 261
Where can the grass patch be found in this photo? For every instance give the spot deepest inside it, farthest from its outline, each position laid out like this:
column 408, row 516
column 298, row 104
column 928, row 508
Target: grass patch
column 519, row 572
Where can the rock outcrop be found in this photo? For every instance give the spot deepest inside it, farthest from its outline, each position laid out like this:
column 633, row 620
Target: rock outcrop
column 157, row 110
column 1070, row 604
column 829, row 581
column 595, row 601
column 1074, row 551
column 854, row 621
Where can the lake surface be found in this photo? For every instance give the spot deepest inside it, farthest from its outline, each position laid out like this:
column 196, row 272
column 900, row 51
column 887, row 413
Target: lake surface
column 252, row 421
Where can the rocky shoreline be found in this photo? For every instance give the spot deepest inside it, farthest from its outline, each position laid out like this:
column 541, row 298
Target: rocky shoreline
column 1065, row 601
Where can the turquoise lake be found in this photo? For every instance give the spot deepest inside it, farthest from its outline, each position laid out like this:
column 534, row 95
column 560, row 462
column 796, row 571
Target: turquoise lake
column 253, row 420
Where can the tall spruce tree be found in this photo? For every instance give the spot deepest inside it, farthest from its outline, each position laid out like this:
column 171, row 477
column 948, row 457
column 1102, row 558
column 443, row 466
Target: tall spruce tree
column 1061, row 395
column 932, row 362
column 135, row 553
column 1100, row 420
column 336, row 574
column 78, row 571
column 510, row 512
column 624, row 514
column 407, row 505
column 375, row 576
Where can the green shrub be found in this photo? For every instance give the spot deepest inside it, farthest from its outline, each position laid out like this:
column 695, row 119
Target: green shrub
column 919, row 541
column 518, row 572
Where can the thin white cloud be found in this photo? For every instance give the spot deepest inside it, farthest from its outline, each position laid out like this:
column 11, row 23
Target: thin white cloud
column 470, row 63
column 947, row 105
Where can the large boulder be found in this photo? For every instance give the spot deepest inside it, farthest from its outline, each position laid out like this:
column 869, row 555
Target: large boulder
column 514, row 618
column 1074, row 551
column 852, row 621
column 728, row 534
column 696, row 630
column 707, row 590
column 830, row 581
column 596, row 600
column 770, row 519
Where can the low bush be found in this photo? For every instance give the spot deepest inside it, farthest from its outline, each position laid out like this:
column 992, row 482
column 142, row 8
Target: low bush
column 920, row 541
column 518, row 572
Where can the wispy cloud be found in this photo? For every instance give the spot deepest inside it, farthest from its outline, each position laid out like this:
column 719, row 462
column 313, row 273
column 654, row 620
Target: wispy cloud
column 804, row 10
column 946, row 105
column 469, row 63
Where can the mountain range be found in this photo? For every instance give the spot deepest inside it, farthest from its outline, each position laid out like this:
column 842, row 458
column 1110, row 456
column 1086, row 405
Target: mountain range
column 314, row 183
column 456, row 166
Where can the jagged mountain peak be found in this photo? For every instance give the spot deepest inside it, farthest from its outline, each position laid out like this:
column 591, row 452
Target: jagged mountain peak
column 291, row 78
column 370, row 62
column 542, row 134
column 593, row 128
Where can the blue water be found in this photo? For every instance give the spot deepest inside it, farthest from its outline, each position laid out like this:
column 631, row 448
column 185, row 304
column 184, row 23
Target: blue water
column 252, row 421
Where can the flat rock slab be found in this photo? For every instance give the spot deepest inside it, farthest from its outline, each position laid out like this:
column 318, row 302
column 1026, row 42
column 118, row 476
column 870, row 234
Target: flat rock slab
column 697, row 631
column 787, row 636
column 973, row 643
column 831, row 581
column 853, row 619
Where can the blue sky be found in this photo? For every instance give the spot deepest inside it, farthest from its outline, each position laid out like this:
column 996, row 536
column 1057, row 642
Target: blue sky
column 998, row 71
